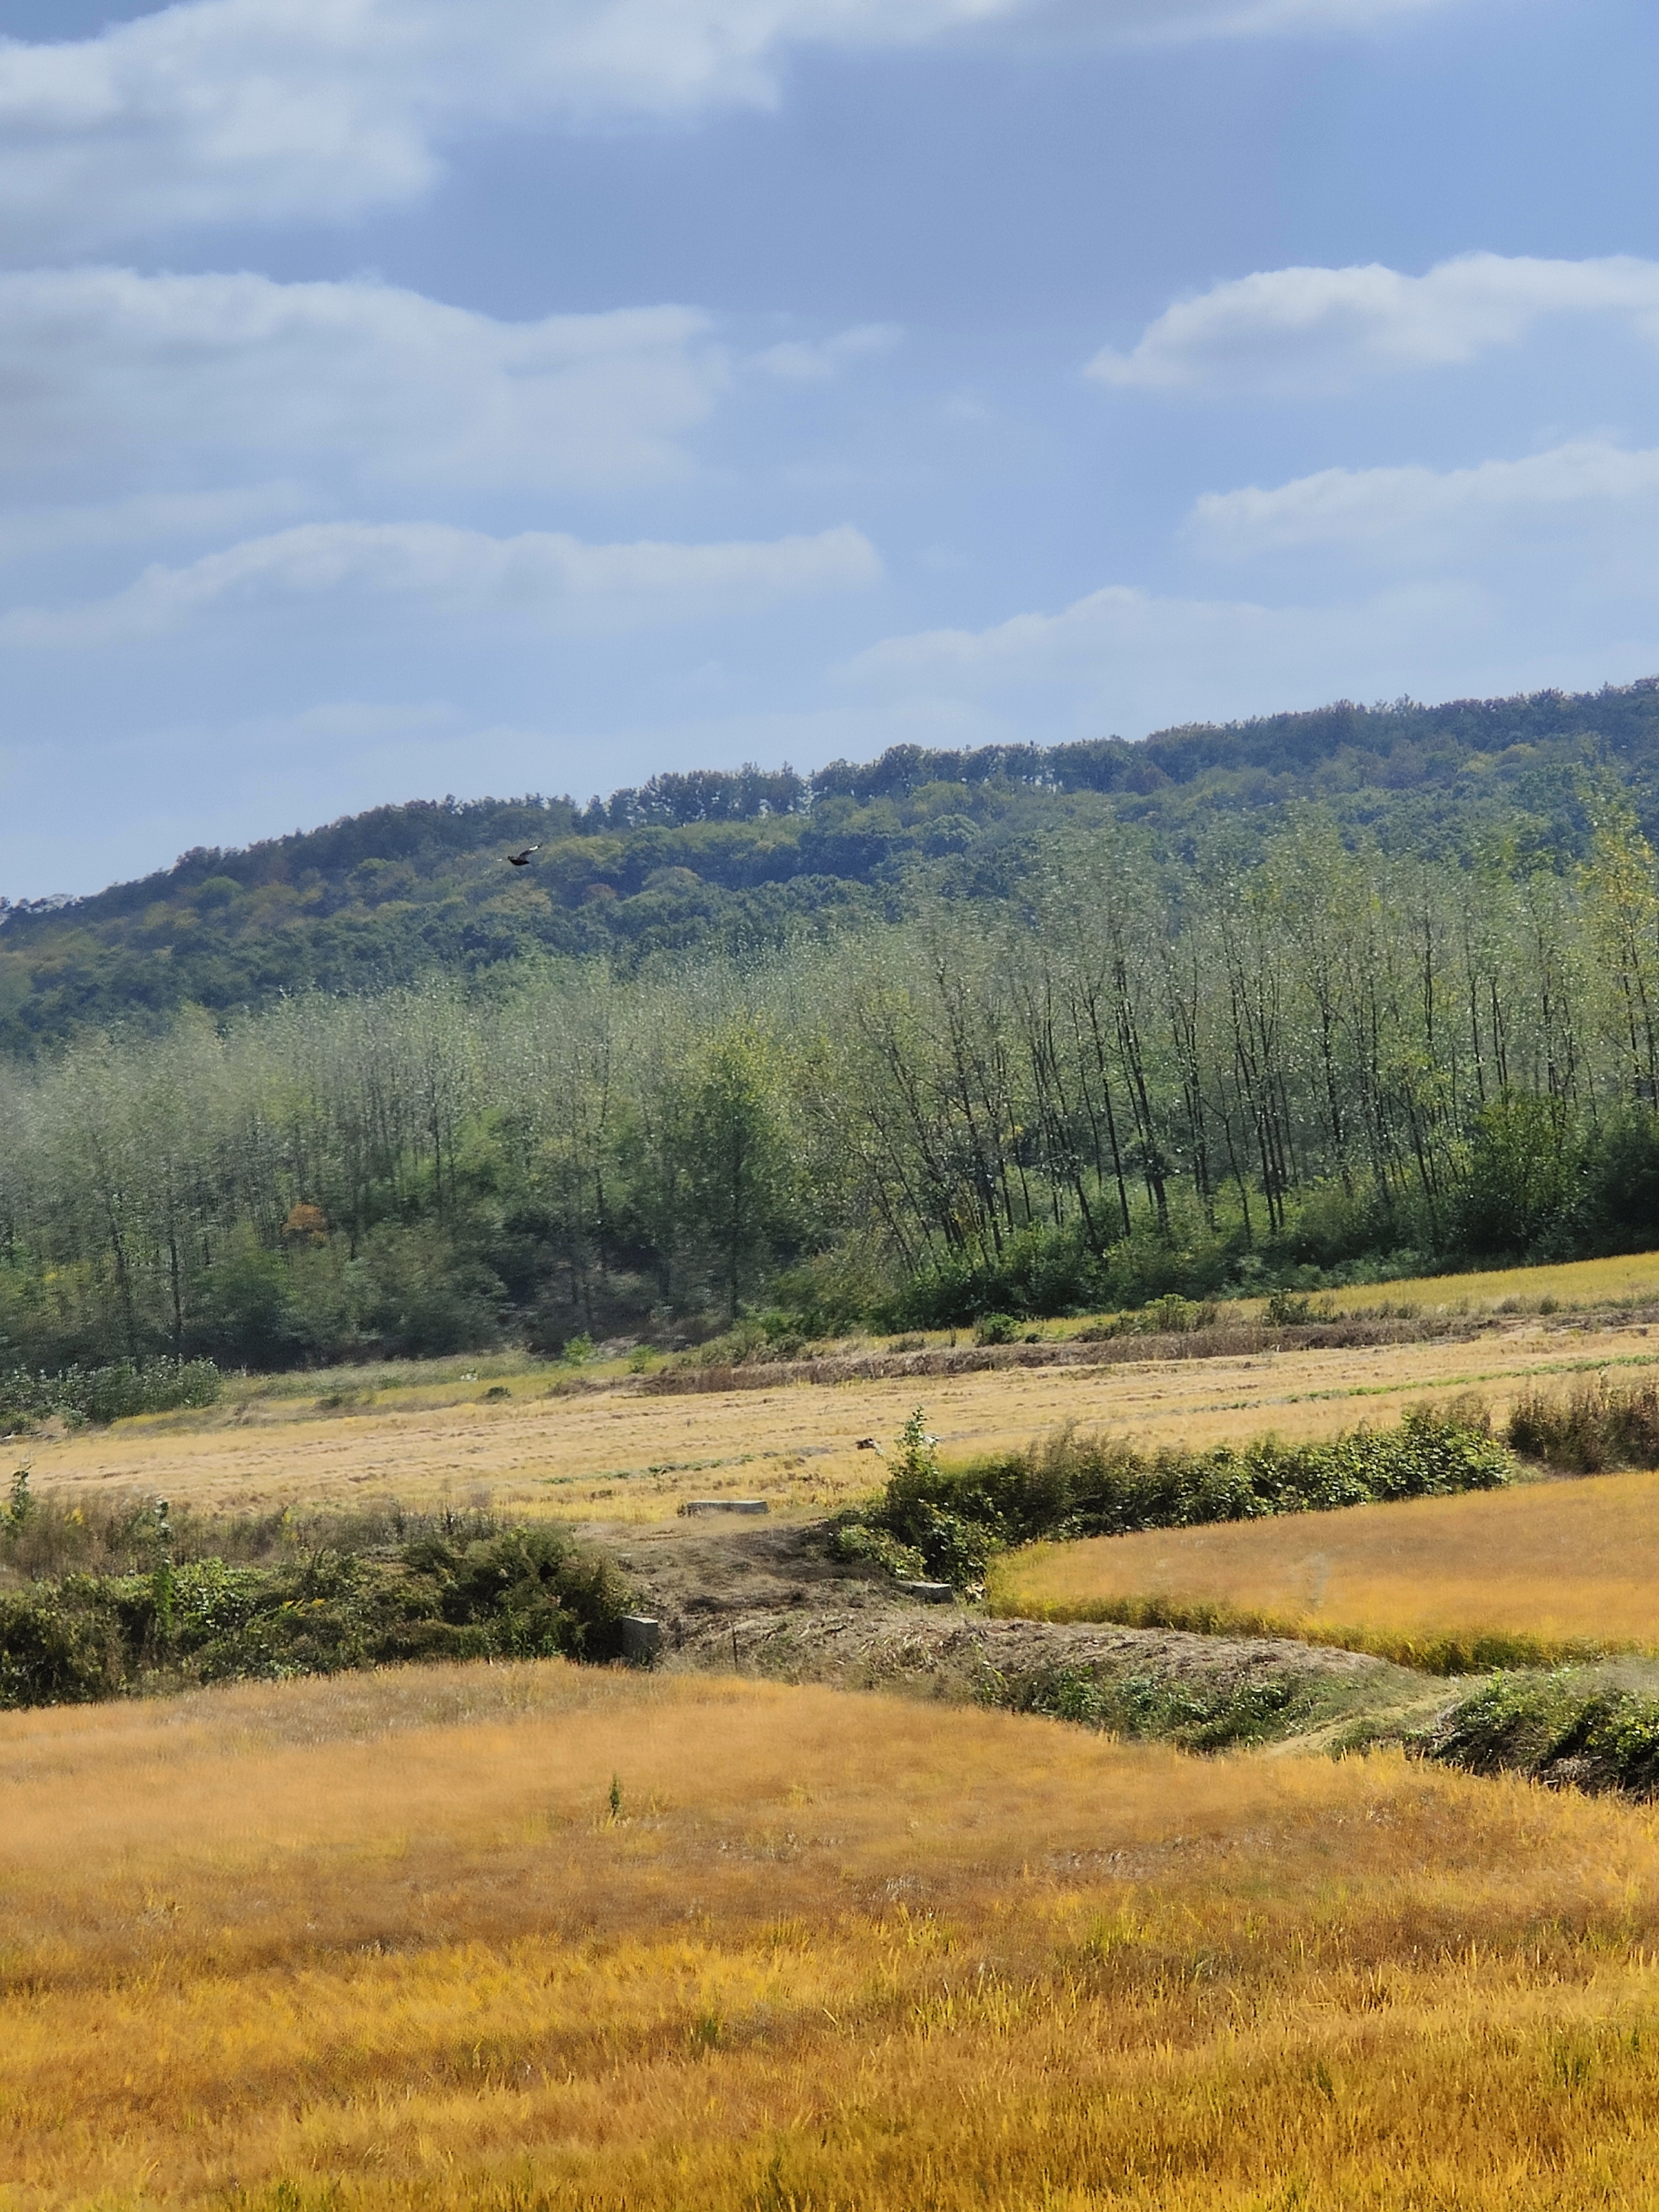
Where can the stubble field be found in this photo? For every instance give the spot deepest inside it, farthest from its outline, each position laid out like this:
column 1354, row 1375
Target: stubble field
column 612, row 1455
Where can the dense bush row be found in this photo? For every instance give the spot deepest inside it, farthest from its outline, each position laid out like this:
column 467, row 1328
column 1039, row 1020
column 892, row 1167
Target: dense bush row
column 163, row 1619
column 107, row 1393
column 948, row 1521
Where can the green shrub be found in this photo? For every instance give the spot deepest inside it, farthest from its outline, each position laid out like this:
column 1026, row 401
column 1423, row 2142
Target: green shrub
column 1173, row 1316
column 1559, row 1728
column 518, row 1593
column 108, row 1394
column 856, row 1539
column 1200, row 1717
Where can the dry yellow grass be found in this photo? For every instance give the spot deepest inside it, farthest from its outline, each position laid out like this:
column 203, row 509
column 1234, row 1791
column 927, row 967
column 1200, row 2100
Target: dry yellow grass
column 1558, row 1564
column 1629, row 1277
column 620, row 1457
column 378, row 1943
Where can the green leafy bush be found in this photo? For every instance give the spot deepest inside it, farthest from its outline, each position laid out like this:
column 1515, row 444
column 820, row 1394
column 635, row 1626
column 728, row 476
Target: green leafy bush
column 519, row 1592
column 1560, row 1728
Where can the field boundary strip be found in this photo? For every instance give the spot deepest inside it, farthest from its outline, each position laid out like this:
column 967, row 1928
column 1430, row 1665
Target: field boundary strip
column 1131, row 1349
column 1459, row 1381
column 1461, row 1651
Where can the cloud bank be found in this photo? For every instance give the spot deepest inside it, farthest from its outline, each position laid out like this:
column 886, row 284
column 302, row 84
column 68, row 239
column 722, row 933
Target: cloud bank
column 104, row 369
column 1303, row 330
column 226, row 111
column 1129, row 660
column 539, row 579
column 1413, row 511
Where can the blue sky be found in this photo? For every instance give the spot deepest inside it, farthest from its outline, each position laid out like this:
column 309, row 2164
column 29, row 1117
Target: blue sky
column 403, row 397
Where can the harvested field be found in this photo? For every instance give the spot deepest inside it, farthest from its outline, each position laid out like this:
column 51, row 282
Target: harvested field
column 618, row 1455
column 394, row 1942
column 1519, row 1576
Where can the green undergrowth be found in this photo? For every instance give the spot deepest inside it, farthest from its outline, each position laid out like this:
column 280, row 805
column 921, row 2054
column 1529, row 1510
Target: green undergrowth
column 1206, row 1714
column 154, row 1606
column 950, row 1522
column 1567, row 1727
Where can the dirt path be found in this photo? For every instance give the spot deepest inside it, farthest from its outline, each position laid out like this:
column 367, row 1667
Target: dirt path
column 768, row 1600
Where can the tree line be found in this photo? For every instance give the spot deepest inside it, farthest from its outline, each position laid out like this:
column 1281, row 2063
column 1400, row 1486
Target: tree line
column 1140, row 1074
column 751, row 857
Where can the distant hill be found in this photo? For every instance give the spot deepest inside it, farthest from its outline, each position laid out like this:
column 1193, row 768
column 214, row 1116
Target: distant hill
column 755, row 857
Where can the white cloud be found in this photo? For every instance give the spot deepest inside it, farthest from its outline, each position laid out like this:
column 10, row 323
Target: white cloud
column 1321, row 328
column 803, row 361
column 1419, row 512
column 107, row 369
column 218, row 111
column 540, row 580
column 1128, row 659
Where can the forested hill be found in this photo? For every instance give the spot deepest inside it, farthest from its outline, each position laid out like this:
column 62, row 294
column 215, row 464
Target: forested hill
column 754, row 857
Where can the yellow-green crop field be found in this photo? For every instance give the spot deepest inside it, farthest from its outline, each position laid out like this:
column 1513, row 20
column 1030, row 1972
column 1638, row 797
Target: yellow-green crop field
column 1543, row 1571
column 384, row 1942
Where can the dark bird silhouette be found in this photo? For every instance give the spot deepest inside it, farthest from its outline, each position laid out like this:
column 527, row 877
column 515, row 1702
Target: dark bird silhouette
column 522, row 860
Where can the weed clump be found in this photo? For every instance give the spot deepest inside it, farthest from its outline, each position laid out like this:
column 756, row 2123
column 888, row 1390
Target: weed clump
column 953, row 1520
column 1595, row 1425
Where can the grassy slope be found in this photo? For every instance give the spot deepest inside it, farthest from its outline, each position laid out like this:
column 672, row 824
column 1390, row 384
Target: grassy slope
column 381, row 1943
column 404, row 890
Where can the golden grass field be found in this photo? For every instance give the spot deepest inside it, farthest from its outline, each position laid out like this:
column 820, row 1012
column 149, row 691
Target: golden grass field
column 1561, row 1565
column 1625, row 1278
column 378, row 1942
column 620, row 1457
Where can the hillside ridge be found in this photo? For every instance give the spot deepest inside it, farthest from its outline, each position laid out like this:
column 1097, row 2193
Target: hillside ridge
column 754, row 857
